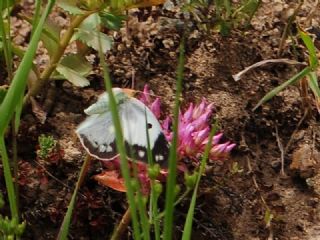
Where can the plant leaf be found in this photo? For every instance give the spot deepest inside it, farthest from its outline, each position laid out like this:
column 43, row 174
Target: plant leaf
column 51, row 36
column 91, row 38
column 91, row 23
column 7, row 4
column 112, row 21
column 278, row 89
column 64, row 229
column 311, row 48
column 3, row 92
column 70, row 6
column 74, row 69
column 126, row 5
column 313, row 84
column 89, row 34
column 77, row 63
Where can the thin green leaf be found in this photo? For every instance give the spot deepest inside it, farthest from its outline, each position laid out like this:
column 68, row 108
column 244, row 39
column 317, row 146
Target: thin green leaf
column 70, row 6
column 227, row 6
column 313, row 84
column 278, row 89
column 248, row 8
column 268, row 216
column 171, row 181
column 6, row 40
column 17, row 116
column 64, row 229
column 313, row 59
column 19, row 81
column 10, row 102
column 3, row 92
column 120, row 145
column 189, row 220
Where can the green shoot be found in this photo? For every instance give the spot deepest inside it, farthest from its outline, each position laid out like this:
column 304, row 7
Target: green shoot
column 188, row 224
column 8, row 106
column 309, row 72
column 46, row 145
column 171, row 181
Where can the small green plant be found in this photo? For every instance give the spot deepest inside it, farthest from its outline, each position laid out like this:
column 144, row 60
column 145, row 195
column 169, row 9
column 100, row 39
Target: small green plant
column 10, row 228
column 227, row 15
column 46, row 145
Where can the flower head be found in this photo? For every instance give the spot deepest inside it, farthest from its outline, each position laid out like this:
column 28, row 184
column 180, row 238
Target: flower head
column 193, row 135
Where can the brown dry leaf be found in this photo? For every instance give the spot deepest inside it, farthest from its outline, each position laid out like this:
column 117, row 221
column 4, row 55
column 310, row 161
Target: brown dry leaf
column 111, row 179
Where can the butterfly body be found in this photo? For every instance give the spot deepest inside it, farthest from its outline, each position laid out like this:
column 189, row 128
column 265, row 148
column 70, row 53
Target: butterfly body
column 97, row 132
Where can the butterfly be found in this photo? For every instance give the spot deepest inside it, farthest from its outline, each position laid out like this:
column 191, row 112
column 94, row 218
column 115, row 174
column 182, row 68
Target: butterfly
column 97, row 132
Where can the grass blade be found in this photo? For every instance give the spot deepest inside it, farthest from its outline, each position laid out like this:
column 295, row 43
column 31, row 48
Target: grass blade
column 313, row 59
column 313, row 84
column 124, row 165
column 10, row 102
column 278, row 89
column 189, row 220
column 64, row 229
column 171, row 181
column 18, row 84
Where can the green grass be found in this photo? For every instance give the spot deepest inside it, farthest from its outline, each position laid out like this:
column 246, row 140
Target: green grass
column 309, row 72
column 10, row 103
column 148, row 221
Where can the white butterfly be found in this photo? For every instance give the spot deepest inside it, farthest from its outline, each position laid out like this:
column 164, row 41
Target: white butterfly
column 97, row 132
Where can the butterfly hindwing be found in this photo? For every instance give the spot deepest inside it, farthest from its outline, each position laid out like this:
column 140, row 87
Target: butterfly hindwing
column 97, row 136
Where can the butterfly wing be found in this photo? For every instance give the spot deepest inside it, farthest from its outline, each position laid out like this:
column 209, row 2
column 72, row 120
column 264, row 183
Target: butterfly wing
column 97, row 136
column 133, row 115
column 97, row 133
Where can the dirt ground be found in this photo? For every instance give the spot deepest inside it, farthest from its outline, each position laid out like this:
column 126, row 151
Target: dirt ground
column 231, row 205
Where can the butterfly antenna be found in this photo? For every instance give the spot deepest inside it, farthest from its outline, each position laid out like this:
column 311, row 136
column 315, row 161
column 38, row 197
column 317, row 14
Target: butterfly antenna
column 133, row 78
column 151, row 94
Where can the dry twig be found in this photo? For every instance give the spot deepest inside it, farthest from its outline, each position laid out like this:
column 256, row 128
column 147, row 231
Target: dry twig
column 238, row 76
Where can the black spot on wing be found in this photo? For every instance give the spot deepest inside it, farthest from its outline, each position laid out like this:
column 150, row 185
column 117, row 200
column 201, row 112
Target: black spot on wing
column 160, row 152
column 149, row 125
column 110, row 151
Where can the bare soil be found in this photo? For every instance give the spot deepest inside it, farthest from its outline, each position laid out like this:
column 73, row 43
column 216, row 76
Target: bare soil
column 231, row 205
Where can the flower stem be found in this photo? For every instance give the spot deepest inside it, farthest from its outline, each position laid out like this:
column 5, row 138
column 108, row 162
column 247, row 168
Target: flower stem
column 122, row 226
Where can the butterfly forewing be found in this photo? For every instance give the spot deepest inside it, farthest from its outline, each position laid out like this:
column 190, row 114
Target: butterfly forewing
column 133, row 116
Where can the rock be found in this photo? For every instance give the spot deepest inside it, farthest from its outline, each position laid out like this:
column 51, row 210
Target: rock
column 305, row 160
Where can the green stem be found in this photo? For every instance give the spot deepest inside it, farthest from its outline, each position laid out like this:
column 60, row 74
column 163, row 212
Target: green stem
column 154, row 210
column 63, row 233
column 15, row 161
column 162, row 214
column 8, row 179
column 171, row 183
